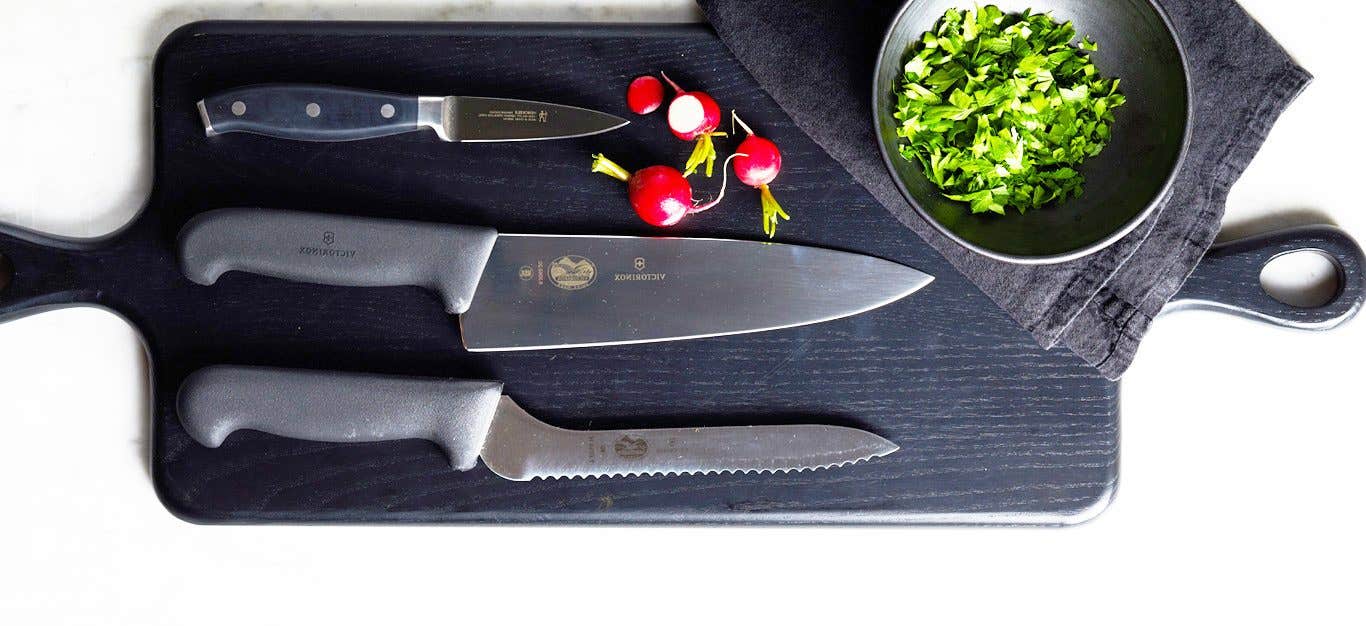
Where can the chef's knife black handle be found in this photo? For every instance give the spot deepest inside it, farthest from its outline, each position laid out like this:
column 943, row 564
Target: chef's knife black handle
column 337, row 250
column 309, row 112
column 339, row 407
column 1228, row 279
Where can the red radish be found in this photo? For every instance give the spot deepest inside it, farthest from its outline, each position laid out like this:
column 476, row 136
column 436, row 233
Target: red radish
column 645, row 95
column 660, row 194
column 758, row 166
column 693, row 115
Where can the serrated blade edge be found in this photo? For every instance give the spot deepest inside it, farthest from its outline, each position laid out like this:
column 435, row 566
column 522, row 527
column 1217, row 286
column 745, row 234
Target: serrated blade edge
column 520, row 447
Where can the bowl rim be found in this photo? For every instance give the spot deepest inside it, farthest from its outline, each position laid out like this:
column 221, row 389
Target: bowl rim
column 1049, row 259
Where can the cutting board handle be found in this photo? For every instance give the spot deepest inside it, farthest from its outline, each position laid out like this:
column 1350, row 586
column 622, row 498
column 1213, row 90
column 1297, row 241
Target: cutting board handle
column 1228, row 279
column 40, row 272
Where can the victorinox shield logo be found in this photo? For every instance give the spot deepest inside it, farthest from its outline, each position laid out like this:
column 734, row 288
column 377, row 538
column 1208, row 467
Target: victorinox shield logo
column 326, row 250
column 640, row 274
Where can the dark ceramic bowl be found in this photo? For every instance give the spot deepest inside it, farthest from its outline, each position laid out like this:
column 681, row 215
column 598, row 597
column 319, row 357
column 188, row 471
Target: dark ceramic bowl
column 1124, row 184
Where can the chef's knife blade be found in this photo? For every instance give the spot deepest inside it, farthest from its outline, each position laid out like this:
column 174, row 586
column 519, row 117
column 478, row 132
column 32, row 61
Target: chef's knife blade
column 588, row 291
column 523, row 292
column 326, row 113
column 470, row 420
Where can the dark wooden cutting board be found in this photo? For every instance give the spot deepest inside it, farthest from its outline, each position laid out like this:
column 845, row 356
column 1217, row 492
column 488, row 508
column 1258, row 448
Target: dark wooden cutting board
column 993, row 429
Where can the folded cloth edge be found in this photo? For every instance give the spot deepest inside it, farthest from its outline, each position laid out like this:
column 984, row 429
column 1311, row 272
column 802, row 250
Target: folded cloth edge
column 1277, row 95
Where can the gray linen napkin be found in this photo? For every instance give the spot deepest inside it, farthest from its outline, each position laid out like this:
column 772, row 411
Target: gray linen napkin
column 1099, row 306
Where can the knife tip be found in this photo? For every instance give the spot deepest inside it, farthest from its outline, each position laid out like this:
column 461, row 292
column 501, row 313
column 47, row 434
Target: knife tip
column 885, row 447
column 871, row 445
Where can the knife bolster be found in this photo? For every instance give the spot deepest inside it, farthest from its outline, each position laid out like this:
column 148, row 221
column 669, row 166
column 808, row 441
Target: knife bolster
column 438, row 114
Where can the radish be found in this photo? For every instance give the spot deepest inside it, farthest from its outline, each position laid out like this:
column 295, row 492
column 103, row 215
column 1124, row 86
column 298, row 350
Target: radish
column 693, row 115
column 660, row 194
column 645, row 94
column 758, row 165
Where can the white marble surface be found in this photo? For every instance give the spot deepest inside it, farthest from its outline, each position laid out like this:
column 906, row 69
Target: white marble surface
column 1240, row 450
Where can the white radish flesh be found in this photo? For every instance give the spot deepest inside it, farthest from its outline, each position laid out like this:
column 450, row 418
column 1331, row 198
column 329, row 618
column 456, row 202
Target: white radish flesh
column 686, row 116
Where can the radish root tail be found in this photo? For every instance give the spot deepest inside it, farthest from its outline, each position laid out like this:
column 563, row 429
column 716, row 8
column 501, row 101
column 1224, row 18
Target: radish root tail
column 724, row 177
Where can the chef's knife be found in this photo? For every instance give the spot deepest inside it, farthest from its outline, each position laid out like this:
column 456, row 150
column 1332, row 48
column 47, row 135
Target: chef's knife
column 524, row 292
column 326, row 113
column 470, row 420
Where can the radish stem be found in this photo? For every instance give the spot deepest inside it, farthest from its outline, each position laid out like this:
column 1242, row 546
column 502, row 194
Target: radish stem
column 677, row 89
column 736, row 118
column 604, row 165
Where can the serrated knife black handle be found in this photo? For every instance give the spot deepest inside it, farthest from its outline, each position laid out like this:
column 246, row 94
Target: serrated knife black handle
column 337, row 250
column 309, row 112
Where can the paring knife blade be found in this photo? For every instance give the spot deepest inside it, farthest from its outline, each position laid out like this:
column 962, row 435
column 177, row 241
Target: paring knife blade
column 327, row 113
column 524, row 292
column 471, row 420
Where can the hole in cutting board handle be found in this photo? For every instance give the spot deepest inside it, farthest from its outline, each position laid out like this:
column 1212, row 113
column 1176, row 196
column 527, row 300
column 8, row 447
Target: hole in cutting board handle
column 1304, row 278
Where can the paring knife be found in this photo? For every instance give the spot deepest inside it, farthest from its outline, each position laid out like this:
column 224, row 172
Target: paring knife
column 525, row 292
column 326, row 113
column 471, row 420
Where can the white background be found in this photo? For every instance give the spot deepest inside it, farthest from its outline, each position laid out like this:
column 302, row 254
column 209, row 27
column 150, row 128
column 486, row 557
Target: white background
column 1240, row 474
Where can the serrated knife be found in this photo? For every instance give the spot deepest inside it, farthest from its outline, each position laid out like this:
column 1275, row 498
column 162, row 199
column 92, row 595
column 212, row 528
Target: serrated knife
column 526, row 292
column 470, row 420
column 328, row 113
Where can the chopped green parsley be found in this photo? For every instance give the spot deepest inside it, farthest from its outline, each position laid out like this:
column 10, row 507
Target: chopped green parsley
column 1000, row 110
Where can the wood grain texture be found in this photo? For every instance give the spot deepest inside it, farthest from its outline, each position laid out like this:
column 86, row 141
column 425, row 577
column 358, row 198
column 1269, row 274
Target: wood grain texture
column 993, row 429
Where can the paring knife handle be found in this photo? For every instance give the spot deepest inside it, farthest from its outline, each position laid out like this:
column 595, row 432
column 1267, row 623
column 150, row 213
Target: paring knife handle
column 337, row 250
column 309, row 112
column 339, row 407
